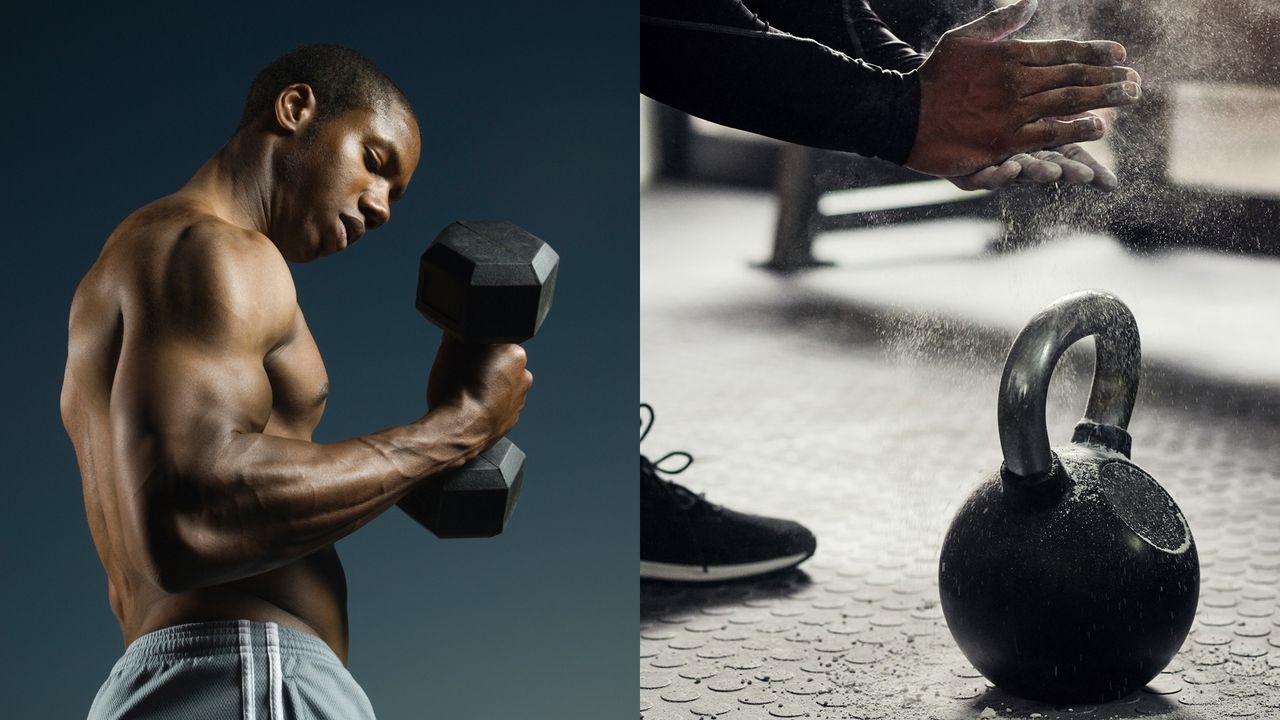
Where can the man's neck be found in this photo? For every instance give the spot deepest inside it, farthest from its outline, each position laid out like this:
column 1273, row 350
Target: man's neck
column 237, row 182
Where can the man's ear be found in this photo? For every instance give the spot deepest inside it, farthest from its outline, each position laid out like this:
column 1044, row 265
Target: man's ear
column 295, row 107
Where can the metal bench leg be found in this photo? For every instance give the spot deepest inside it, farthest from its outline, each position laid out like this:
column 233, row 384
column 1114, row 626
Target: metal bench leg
column 798, row 216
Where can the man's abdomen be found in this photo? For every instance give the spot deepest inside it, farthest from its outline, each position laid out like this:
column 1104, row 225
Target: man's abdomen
column 308, row 595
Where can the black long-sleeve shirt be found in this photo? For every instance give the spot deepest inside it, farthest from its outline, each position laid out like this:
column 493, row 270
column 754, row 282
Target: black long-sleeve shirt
column 828, row 74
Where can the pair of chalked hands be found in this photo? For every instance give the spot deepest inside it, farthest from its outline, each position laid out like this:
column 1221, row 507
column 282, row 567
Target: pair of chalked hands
column 996, row 111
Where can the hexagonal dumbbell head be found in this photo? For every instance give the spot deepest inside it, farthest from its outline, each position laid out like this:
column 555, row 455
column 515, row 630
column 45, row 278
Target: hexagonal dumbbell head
column 487, row 282
column 475, row 501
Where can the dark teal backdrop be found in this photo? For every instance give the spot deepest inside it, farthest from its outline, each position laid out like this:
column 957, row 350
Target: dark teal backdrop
column 529, row 114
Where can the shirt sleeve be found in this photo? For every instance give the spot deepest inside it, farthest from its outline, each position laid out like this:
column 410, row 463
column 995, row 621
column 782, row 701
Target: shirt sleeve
column 879, row 44
column 728, row 13
column 850, row 26
column 740, row 73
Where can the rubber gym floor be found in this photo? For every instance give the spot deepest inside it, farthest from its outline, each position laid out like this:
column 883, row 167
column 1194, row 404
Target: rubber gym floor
column 869, row 417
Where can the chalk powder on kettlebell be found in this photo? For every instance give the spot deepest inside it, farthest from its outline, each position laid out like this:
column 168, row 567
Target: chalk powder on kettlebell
column 1070, row 575
column 1145, row 507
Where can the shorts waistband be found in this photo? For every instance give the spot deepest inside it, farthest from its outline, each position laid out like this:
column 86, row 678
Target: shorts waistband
column 226, row 636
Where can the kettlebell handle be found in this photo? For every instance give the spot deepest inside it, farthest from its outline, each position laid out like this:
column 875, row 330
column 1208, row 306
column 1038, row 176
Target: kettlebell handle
column 1024, row 438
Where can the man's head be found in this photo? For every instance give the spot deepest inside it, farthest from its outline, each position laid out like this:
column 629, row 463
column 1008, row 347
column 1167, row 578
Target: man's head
column 343, row 141
column 345, row 79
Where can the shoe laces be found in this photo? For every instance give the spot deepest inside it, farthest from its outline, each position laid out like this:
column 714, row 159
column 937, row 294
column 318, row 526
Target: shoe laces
column 681, row 496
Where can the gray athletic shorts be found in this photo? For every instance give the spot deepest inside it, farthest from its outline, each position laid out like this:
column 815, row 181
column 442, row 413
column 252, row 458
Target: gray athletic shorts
column 232, row 670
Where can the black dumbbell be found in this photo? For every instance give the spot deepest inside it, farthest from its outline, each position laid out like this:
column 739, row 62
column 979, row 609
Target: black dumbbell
column 481, row 282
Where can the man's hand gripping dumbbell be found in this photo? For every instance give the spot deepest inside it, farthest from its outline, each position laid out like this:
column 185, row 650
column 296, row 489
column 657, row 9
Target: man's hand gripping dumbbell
column 483, row 284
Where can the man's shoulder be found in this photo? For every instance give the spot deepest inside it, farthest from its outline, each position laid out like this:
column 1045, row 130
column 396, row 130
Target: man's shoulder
column 220, row 252
column 187, row 263
column 180, row 231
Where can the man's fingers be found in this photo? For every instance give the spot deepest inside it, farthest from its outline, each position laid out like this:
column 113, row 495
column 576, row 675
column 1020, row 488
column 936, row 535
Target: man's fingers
column 998, row 23
column 1103, row 177
column 1043, row 53
column 1072, row 171
column 1043, row 134
column 1036, row 169
column 1069, row 171
column 1075, row 100
column 989, row 178
column 1039, row 79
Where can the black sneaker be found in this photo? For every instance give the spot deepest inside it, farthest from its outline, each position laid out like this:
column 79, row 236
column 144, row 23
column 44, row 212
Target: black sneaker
column 683, row 537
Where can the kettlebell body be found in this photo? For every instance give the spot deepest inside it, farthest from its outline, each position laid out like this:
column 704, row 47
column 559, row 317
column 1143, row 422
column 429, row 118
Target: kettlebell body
column 1070, row 575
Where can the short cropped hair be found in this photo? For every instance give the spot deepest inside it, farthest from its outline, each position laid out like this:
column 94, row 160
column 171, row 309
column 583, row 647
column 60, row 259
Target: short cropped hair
column 342, row 80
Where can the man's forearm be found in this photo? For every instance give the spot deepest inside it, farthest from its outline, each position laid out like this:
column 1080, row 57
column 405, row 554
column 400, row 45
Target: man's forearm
column 264, row 501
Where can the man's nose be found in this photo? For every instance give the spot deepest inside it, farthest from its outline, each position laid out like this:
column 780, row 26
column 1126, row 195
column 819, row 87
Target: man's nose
column 376, row 208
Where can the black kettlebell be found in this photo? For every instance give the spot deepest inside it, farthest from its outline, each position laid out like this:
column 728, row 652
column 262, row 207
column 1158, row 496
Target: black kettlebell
column 1070, row 575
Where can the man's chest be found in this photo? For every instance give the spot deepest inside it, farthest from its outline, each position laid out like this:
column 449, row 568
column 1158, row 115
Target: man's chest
column 299, row 386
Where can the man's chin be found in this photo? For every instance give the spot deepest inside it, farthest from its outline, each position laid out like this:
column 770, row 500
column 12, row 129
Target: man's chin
column 307, row 253
column 318, row 248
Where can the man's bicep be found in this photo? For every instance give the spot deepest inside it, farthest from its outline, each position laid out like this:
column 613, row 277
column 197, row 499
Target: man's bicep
column 174, row 407
column 176, row 402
